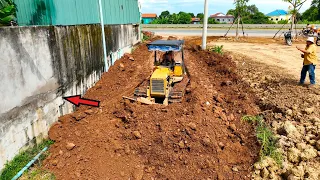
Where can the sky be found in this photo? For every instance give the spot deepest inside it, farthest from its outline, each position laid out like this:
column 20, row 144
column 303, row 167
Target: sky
column 197, row 6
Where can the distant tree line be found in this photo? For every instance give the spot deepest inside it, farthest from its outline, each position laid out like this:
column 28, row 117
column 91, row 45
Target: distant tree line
column 312, row 14
column 250, row 14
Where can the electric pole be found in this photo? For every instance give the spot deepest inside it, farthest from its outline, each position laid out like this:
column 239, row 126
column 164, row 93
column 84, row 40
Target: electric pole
column 205, row 25
column 103, row 37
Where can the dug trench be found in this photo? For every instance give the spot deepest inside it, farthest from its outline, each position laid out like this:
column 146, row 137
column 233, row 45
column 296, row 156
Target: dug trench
column 201, row 138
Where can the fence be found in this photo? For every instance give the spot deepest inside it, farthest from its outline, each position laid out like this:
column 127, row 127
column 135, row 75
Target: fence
column 73, row 12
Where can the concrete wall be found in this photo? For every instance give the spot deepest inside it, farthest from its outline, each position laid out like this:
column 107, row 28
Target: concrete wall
column 40, row 65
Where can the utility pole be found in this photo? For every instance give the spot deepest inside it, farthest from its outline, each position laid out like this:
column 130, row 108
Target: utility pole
column 205, row 25
column 103, row 37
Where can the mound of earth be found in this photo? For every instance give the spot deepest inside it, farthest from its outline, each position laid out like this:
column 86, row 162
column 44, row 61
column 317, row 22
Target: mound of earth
column 293, row 113
column 200, row 138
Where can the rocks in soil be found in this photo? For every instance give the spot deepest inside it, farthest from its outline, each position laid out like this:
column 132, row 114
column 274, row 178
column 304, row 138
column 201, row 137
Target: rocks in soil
column 289, row 112
column 290, row 130
column 206, row 141
column 235, row 169
column 309, row 153
column 138, row 173
column 318, row 145
column 181, row 145
column 70, row 146
column 131, row 58
column 221, row 145
column 294, row 155
column 137, row 134
column 89, row 111
column 78, row 116
column 192, row 126
column 121, row 66
column 309, row 111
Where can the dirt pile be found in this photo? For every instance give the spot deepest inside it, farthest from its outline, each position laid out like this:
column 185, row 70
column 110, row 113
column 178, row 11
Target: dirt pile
column 200, row 138
column 293, row 113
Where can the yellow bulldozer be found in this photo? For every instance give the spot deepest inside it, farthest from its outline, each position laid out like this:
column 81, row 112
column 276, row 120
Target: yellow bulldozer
column 169, row 80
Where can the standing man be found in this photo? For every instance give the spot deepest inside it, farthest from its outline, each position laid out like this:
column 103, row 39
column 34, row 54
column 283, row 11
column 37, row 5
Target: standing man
column 310, row 61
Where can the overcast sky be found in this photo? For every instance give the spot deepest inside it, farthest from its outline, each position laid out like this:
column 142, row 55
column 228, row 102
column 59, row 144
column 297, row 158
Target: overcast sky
column 197, row 6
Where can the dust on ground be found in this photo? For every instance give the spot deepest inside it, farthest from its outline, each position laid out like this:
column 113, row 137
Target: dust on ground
column 200, row 138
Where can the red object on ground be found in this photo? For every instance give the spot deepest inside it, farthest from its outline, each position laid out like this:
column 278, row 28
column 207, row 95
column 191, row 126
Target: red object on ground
column 77, row 100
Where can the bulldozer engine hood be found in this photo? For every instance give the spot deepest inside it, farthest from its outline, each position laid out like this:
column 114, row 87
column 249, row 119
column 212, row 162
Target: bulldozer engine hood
column 161, row 73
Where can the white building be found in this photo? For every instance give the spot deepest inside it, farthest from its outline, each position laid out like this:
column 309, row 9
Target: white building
column 222, row 18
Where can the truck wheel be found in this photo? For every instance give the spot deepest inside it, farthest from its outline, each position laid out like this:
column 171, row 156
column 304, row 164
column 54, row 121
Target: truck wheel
column 289, row 42
column 318, row 42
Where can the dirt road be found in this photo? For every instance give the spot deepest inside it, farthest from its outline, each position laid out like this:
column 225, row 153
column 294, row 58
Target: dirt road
column 272, row 54
column 200, row 138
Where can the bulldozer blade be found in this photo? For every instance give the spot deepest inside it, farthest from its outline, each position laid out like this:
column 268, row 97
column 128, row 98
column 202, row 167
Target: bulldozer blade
column 140, row 99
column 145, row 101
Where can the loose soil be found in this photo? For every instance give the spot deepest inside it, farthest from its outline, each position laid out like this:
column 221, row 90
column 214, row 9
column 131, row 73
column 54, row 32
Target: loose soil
column 200, row 138
column 291, row 111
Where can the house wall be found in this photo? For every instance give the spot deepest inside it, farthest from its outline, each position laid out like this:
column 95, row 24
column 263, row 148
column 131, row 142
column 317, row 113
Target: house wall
column 224, row 20
column 147, row 20
column 41, row 64
column 279, row 18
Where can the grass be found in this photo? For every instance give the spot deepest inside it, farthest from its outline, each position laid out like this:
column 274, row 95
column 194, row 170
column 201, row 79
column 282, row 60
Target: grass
column 22, row 159
column 266, row 138
column 217, row 49
column 145, row 38
column 37, row 173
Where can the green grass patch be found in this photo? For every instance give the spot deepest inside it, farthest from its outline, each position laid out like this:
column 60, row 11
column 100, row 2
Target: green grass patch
column 266, row 138
column 217, row 49
column 145, row 38
column 22, row 159
column 37, row 173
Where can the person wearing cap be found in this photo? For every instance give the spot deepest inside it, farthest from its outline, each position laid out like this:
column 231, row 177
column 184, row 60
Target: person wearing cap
column 310, row 61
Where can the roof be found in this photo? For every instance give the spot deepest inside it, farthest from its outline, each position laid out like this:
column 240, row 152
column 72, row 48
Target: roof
column 166, row 45
column 195, row 19
column 221, row 15
column 217, row 14
column 167, row 42
column 150, row 15
column 278, row 12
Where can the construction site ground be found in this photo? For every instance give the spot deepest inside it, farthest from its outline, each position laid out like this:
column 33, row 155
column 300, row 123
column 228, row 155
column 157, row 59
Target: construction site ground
column 201, row 138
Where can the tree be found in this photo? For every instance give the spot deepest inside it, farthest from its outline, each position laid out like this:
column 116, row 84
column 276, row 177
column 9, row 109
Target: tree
column 201, row 16
column 212, row 21
column 296, row 4
column 232, row 12
column 252, row 9
column 184, row 18
column 312, row 14
column 7, row 12
column 256, row 18
column 192, row 15
column 164, row 14
column 240, row 9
